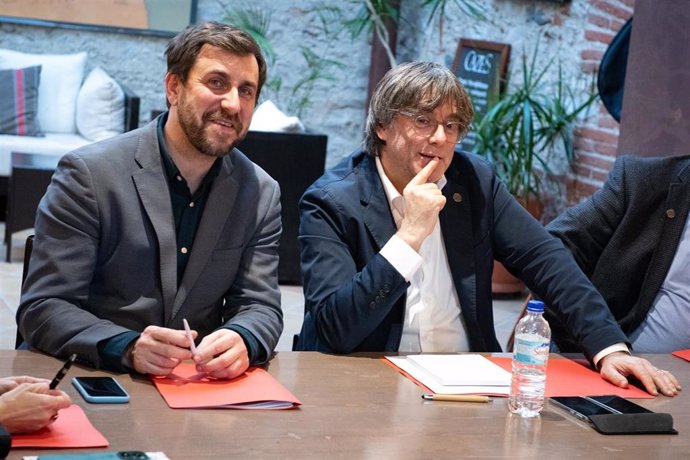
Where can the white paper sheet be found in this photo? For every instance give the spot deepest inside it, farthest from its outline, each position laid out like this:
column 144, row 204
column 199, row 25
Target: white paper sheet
column 456, row 374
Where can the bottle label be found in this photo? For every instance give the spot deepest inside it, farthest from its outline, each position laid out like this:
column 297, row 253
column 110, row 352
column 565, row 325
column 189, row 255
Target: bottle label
column 535, row 352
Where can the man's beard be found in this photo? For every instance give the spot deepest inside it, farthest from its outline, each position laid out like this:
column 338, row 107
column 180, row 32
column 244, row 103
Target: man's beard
column 195, row 132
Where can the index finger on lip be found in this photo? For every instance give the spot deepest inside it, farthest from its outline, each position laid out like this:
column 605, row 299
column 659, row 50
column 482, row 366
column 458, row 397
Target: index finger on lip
column 422, row 176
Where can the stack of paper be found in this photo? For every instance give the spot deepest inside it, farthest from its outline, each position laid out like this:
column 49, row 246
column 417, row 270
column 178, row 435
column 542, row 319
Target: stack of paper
column 255, row 389
column 455, row 374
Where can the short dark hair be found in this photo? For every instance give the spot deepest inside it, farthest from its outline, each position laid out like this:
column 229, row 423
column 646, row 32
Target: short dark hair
column 415, row 87
column 184, row 48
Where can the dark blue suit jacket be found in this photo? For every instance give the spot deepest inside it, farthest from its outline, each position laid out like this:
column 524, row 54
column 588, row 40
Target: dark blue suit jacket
column 355, row 299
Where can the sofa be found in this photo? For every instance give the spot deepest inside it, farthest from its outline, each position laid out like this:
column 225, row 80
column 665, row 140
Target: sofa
column 50, row 106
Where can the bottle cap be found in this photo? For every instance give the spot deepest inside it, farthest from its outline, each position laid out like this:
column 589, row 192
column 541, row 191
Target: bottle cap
column 536, row 306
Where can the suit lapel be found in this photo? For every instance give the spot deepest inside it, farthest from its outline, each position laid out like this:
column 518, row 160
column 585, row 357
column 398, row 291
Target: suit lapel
column 155, row 198
column 375, row 209
column 221, row 201
column 456, row 227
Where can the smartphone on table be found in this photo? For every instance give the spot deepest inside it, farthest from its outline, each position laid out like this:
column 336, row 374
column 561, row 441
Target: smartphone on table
column 120, row 455
column 100, row 389
column 584, row 406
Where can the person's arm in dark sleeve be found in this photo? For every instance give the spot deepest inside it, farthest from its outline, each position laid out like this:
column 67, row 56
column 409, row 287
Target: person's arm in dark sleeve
column 549, row 269
column 113, row 352
column 347, row 298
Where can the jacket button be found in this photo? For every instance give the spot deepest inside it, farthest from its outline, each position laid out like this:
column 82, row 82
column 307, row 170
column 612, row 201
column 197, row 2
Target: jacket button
column 372, row 305
column 457, row 197
column 671, row 213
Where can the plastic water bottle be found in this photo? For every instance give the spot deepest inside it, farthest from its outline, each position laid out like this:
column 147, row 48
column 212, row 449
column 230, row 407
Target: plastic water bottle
column 532, row 338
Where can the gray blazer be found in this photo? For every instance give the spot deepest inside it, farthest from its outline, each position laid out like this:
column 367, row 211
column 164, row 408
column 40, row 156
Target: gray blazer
column 625, row 236
column 104, row 259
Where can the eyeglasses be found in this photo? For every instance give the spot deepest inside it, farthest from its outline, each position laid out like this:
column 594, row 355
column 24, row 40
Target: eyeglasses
column 426, row 125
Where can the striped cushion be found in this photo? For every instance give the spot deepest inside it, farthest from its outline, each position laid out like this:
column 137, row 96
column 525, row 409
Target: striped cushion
column 19, row 101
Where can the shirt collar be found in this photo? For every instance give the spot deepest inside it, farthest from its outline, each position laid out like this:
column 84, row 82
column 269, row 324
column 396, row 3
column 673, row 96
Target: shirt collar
column 395, row 199
column 171, row 169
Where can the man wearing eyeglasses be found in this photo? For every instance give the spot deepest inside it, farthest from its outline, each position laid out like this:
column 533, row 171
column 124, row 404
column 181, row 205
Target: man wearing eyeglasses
column 398, row 241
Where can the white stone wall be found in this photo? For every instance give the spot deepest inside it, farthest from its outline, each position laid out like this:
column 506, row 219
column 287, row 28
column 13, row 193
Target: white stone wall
column 337, row 107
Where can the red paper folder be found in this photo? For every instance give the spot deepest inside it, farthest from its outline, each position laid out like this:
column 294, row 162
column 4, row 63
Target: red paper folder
column 568, row 378
column 255, row 389
column 685, row 354
column 71, row 430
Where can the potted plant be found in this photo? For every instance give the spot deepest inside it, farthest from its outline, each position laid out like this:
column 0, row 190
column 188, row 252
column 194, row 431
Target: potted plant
column 528, row 129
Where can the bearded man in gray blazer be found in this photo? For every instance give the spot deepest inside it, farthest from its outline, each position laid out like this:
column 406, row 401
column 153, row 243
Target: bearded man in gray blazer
column 165, row 223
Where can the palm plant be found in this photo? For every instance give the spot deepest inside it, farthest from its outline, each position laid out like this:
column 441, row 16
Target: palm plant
column 522, row 133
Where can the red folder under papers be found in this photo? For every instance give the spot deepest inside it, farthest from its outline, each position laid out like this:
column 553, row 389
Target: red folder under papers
column 565, row 378
column 255, row 389
column 71, row 430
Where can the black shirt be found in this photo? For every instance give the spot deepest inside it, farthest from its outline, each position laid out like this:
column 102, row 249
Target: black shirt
column 187, row 208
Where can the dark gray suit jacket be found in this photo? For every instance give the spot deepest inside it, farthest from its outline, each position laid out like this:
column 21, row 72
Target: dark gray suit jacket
column 355, row 299
column 624, row 237
column 104, row 259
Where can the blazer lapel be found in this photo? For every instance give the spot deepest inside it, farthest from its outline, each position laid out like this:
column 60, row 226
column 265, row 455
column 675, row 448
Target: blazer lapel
column 376, row 212
column 155, row 198
column 456, row 227
column 221, row 201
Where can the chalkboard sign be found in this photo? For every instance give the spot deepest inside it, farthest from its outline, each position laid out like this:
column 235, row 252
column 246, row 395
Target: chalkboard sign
column 481, row 67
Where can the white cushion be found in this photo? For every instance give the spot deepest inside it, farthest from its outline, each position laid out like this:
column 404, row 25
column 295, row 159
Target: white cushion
column 52, row 145
column 100, row 107
column 61, row 77
column 267, row 117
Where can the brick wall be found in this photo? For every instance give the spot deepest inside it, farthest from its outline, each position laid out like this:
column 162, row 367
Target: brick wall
column 596, row 142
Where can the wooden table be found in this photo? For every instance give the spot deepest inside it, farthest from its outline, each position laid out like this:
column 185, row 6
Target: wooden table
column 357, row 407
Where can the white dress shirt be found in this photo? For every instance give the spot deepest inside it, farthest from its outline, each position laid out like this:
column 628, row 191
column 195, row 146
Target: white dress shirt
column 433, row 320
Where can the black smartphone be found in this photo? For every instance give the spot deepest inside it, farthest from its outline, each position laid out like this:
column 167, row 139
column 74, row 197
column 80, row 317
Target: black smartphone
column 123, row 454
column 583, row 407
column 622, row 405
column 100, row 389
column 579, row 407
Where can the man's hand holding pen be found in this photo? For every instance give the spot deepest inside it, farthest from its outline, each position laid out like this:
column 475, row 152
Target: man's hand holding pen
column 28, row 404
column 159, row 350
column 222, row 355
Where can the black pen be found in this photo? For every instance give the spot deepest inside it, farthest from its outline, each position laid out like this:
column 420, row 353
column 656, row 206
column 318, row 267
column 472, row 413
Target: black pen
column 63, row 371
